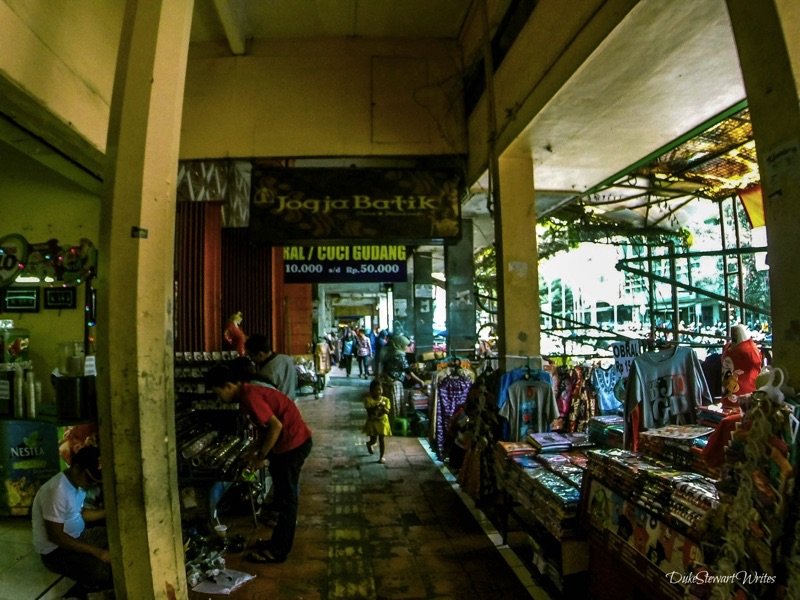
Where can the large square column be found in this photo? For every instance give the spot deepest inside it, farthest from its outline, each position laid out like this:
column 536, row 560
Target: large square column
column 518, row 258
column 769, row 54
column 136, row 398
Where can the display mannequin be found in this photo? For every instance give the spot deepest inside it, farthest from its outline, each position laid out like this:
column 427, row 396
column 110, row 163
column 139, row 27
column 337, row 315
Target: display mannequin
column 233, row 334
column 741, row 360
column 741, row 364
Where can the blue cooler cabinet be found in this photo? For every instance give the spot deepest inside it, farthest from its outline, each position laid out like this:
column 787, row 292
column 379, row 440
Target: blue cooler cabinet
column 29, row 458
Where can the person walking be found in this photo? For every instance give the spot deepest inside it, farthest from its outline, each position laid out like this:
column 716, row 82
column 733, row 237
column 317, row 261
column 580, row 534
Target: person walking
column 381, row 343
column 348, row 347
column 363, row 353
column 283, row 438
column 377, row 425
column 373, row 344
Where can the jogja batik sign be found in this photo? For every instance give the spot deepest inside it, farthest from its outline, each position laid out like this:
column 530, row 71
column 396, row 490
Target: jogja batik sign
column 307, row 205
column 339, row 264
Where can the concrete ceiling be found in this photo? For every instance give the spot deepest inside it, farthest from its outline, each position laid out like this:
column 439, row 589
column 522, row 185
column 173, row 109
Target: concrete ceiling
column 232, row 20
column 668, row 67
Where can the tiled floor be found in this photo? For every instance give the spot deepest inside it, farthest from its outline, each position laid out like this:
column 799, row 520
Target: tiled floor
column 365, row 530
column 22, row 574
column 372, row 531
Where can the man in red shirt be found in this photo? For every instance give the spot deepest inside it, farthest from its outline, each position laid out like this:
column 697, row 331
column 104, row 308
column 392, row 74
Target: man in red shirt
column 284, row 439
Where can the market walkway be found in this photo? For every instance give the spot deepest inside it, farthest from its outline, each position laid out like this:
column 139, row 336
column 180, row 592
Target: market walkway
column 373, row 531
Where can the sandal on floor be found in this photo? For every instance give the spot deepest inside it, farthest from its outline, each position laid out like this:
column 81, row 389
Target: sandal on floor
column 263, row 557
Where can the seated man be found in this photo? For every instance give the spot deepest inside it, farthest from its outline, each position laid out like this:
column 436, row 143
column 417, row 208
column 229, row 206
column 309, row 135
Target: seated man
column 59, row 521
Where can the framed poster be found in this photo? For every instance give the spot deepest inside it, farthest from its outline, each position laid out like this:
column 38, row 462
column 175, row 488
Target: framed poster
column 60, row 297
column 21, row 300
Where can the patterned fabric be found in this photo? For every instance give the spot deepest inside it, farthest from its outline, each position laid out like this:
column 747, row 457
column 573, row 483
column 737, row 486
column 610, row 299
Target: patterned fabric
column 477, row 476
column 395, row 365
column 451, row 392
column 604, row 381
column 395, row 391
column 583, row 405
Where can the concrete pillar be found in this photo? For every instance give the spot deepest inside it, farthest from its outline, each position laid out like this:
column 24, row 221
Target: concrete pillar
column 460, row 286
column 769, row 54
column 135, row 302
column 423, row 302
column 402, row 319
column 519, row 293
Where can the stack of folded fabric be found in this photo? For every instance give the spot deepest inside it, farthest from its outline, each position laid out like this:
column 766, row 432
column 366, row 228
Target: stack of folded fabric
column 692, row 499
column 549, row 441
column 548, row 486
column 579, row 440
column 510, row 458
column 607, row 430
column 674, row 444
column 680, row 498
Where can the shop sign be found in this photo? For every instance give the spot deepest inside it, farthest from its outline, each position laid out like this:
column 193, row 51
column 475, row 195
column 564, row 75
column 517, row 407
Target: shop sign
column 624, row 353
column 337, row 264
column 306, row 205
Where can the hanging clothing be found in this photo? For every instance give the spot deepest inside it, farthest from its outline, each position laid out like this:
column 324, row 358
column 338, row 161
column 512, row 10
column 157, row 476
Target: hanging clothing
column 712, row 370
column 604, row 381
column 664, row 388
column 583, row 405
column 743, row 361
column 477, row 476
column 451, row 392
column 510, row 378
column 564, row 392
column 530, row 407
column 514, row 375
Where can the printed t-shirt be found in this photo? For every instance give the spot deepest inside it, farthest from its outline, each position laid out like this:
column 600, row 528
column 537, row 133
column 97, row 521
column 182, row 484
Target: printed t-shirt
column 746, row 357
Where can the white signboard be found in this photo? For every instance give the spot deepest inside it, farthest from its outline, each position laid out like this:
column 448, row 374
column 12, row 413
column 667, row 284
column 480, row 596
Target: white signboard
column 624, row 353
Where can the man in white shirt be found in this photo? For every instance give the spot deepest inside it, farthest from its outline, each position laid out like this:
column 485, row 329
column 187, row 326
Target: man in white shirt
column 59, row 520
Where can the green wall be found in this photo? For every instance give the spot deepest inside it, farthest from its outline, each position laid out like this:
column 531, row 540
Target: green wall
column 40, row 205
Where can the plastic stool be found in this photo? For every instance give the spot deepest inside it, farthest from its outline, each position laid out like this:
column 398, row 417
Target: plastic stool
column 400, row 426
